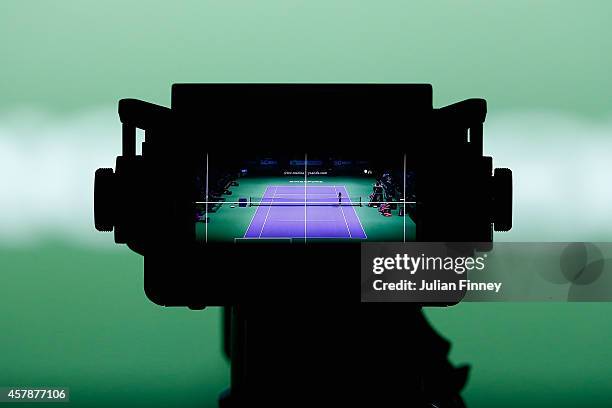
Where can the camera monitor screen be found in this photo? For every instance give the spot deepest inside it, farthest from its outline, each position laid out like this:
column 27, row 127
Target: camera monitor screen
column 304, row 197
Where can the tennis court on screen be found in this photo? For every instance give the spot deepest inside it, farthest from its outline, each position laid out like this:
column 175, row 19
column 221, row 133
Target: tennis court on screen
column 305, row 212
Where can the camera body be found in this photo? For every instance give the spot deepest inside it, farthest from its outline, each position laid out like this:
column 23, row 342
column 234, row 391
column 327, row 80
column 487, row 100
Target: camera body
column 150, row 199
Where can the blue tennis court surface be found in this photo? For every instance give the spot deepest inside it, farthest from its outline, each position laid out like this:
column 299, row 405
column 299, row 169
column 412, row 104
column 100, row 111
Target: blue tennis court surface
column 321, row 217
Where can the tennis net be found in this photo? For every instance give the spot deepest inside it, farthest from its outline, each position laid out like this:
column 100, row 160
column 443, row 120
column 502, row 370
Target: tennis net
column 301, row 202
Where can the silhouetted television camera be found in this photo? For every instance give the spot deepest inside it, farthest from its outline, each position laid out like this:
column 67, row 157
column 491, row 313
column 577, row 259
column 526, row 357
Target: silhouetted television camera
column 257, row 196
column 234, row 178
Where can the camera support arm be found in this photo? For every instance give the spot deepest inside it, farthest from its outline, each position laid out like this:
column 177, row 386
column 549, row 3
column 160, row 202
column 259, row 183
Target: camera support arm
column 139, row 114
column 469, row 114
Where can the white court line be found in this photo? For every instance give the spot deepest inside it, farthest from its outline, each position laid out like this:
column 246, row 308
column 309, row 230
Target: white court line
column 358, row 219
column 312, row 186
column 301, row 220
column 291, row 238
column 355, row 212
column 266, row 237
column 263, row 238
column 253, row 217
column 343, row 216
column 268, row 213
column 310, row 194
column 334, row 238
column 300, row 187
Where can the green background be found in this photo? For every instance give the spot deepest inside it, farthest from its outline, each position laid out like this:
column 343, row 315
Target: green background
column 73, row 311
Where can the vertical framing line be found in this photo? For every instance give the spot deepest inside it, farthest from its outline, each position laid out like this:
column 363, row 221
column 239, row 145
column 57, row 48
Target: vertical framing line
column 206, row 205
column 305, row 195
column 404, row 204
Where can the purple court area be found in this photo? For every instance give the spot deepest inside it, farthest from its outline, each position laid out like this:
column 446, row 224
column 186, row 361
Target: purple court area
column 305, row 221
